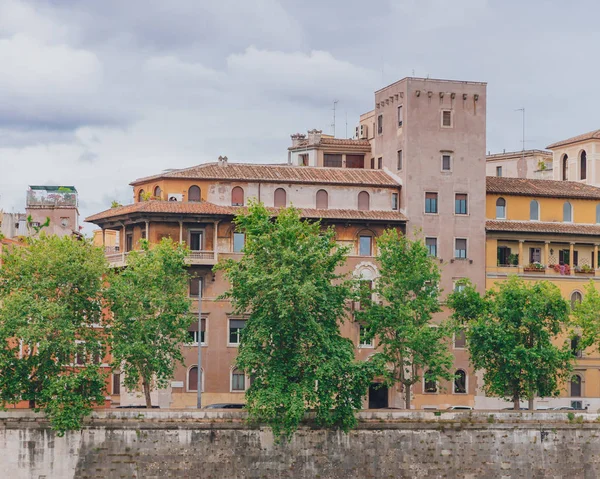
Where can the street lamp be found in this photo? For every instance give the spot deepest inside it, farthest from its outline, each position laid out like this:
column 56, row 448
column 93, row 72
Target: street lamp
column 199, row 387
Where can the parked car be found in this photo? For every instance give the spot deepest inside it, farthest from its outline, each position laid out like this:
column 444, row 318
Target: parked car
column 512, row 409
column 564, row 408
column 136, row 407
column 459, row 408
column 225, row 406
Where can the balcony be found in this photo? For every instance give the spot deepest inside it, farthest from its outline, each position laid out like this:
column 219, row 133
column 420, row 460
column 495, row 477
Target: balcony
column 117, row 260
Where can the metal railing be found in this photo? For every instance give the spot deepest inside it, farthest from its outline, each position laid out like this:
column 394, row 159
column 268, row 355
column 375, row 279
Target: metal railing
column 193, row 257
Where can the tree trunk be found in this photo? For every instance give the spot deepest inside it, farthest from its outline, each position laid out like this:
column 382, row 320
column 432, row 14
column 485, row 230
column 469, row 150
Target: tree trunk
column 32, row 404
column 531, row 403
column 146, row 386
column 516, row 402
column 407, row 396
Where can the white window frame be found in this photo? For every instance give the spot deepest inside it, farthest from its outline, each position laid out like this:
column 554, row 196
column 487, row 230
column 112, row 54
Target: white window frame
column 187, row 379
column 370, row 345
column 451, row 118
column 466, row 249
column 205, row 342
column 229, row 344
column 454, row 340
column 448, row 154
column 246, row 382
column 203, row 240
column 496, row 208
column 539, row 207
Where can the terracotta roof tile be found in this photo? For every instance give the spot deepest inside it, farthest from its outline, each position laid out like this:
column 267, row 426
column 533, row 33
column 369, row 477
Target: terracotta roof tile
column 541, row 227
column 210, row 209
column 592, row 135
column 279, row 174
column 545, row 188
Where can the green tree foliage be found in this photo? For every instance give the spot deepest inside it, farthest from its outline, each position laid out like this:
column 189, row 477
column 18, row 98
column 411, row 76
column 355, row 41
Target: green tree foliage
column 401, row 320
column 586, row 318
column 511, row 334
column 50, row 309
column 150, row 306
column 288, row 285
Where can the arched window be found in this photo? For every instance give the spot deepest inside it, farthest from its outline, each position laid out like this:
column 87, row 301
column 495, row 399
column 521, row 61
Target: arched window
column 598, row 213
column 576, row 386
column 237, row 196
column 567, row 212
column 194, row 193
column 501, row 208
column 141, row 195
column 363, row 201
column 192, row 384
column 280, row 199
column 238, row 380
column 460, row 382
column 157, row 192
column 576, row 299
column 583, row 165
column 534, row 210
column 565, row 167
column 322, row 200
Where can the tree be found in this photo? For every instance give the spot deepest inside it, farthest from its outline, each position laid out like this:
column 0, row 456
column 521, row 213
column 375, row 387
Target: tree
column 412, row 346
column 150, row 308
column 510, row 335
column 288, row 286
column 586, row 317
column 50, row 340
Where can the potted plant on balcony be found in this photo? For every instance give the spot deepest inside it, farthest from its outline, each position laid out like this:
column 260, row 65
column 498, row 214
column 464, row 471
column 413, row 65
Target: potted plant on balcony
column 584, row 269
column 563, row 269
column 535, row 268
column 513, row 259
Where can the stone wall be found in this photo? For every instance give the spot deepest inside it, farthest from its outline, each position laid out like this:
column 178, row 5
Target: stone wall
column 219, row 445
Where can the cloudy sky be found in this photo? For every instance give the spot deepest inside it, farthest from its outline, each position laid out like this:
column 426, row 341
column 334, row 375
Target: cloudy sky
column 96, row 93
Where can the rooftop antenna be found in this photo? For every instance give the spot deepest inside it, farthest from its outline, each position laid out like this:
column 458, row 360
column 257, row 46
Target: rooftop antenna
column 523, row 140
column 335, row 102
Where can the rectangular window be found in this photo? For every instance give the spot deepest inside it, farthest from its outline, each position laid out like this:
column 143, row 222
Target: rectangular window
column 238, row 380
column 239, row 240
column 372, row 163
column 459, row 286
column 380, row 124
column 446, row 163
column 116, row 384
column 394, row 201
column 400, row 159
column 498, row 171
column 196, row 240
column 535, row 255
column 193, row 332
column 194, row 287
column 460, row 248
column 355, row 161
column 332, row 160
column 503, row 254
column 447, row 118
column 379, row 163
column 235, row 329
column 399, row 116
column 365, row 246
column 304, row 160
column 564, row 257
column 460, row 339
column 362, row 341
column 431, row 202
column 460, row 204
column 128, row 241
column 431, row 244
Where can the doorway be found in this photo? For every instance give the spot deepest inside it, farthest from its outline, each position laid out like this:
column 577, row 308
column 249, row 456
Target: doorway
column 378, row 396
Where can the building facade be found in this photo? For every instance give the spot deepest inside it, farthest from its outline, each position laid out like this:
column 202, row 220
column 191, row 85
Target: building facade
column 547, row 230
column 537, row 164
column 577, row 158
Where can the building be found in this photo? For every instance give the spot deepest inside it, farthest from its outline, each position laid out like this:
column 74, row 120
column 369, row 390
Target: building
column 58, row 204
column 577, row 158
column 417, row 164
column 537, row 164
column 547, row 230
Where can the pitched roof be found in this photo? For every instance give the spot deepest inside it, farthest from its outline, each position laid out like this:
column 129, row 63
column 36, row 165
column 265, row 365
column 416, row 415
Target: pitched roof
column 545, row 188
column 592, row 135
column 279, row 174
column 541, row 227
column 210, row 209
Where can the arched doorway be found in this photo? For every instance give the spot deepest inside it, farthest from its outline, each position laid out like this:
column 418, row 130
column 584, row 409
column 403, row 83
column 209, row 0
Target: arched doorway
column 378, row 396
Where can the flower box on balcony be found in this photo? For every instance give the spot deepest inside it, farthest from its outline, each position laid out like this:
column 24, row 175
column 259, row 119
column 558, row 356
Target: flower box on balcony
column 584, row 273
column 534, row 270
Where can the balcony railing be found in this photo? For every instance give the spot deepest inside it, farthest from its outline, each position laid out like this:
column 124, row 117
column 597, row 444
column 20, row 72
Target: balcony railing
column 116, row 259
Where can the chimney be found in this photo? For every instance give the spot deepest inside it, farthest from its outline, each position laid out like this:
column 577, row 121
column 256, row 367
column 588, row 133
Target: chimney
column 297, row 139
column 314, row 136
column 222, row 161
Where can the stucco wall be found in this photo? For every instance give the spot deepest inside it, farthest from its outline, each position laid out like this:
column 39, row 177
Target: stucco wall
column 217, row 446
